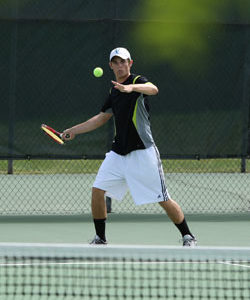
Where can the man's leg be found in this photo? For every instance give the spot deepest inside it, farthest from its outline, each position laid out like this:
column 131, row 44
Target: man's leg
column 99, row 212
column 173, row 210
column 175, row 213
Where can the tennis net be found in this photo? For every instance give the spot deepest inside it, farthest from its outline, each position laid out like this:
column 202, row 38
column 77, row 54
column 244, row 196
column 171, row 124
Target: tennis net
column 59, row 271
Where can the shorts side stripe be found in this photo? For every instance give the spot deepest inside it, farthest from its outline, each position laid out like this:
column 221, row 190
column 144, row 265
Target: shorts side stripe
column 161, row 174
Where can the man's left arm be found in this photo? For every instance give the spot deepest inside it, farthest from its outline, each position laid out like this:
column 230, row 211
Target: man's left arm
column 147, row 88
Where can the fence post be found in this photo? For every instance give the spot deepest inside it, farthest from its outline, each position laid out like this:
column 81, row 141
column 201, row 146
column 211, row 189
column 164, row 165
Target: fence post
column 245, row 103
column 13, row 63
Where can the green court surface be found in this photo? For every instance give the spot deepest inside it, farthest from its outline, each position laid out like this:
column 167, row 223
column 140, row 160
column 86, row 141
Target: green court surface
column 216, row 205
column 210, row 230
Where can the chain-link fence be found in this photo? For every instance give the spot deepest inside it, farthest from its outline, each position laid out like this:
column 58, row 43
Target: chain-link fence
column 200, row 118
column 63, row 187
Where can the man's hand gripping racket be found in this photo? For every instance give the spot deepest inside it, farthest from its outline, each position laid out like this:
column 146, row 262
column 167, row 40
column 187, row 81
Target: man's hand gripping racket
column 58, row 137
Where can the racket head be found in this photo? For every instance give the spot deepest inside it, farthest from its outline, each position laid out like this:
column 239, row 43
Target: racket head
column 52, row 133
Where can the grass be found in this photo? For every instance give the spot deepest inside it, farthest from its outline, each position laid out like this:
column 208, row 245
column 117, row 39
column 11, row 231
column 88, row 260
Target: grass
column 92, row 166
column 205, row 166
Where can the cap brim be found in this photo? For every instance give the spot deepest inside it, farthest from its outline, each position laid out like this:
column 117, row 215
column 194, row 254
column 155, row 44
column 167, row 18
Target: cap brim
column 121, row 56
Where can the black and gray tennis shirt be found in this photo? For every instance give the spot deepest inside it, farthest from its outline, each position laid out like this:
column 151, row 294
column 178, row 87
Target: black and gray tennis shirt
column 131, row 115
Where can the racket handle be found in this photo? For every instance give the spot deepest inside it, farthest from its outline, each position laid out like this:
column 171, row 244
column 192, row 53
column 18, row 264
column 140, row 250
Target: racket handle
column 67, row 135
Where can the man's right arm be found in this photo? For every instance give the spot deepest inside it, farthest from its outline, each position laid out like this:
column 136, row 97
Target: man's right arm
column 90, row 125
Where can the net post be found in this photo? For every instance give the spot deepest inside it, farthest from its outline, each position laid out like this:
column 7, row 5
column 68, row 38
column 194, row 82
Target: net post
column 243, row 165
column 109, row 204
column 10, row 166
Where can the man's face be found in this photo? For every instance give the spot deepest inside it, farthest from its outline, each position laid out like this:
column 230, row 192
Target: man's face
column 121, row 67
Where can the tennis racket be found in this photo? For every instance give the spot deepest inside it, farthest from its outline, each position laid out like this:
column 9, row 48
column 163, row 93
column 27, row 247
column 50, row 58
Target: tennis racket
column 53, row 134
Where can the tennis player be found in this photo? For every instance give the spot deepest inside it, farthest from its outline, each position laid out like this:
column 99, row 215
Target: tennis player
column 134, row 161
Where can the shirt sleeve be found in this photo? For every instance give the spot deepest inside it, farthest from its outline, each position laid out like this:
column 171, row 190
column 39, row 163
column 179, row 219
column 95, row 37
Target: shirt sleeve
column 107, row 107
column 141, row 79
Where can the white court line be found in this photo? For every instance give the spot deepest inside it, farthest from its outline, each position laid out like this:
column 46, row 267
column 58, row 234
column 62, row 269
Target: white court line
column 238, row 264
column 100, row 263
column 109, row 263
column 116, row 246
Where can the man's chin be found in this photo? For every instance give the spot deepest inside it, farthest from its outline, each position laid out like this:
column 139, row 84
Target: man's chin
column 122, row 75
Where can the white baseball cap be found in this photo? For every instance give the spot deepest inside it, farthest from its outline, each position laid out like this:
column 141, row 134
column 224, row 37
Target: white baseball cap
column 120, row 52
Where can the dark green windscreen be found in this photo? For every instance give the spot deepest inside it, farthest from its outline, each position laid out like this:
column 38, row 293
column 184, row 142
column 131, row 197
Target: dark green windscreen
column 49, row 49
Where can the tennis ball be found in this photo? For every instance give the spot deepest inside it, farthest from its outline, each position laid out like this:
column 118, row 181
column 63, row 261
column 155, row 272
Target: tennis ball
column 98, row 72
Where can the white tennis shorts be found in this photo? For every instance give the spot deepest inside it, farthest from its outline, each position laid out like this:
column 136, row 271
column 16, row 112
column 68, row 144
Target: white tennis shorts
column 139, row 171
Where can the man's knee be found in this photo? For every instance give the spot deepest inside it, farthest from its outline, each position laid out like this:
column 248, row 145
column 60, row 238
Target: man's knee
column 166, row 203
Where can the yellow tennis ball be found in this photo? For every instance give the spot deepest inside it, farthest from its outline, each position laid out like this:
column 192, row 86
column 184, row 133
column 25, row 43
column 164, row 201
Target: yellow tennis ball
column 98, row 72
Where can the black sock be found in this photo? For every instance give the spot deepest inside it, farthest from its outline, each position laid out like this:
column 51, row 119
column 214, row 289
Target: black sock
column 183, row 227
column 100, row 228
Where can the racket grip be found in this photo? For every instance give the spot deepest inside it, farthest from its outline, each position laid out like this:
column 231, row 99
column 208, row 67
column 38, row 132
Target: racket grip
column 67, row 135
